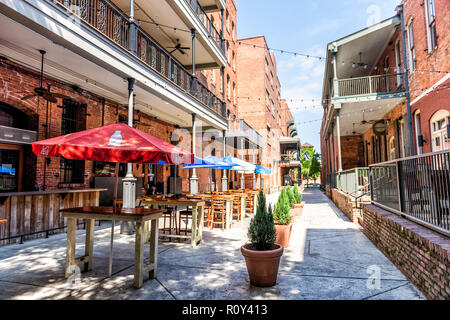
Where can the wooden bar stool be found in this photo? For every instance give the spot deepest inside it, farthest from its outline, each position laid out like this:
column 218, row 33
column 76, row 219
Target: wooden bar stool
column 185, row 215
column 219, row 212
column 237, row 206
column 170, row 217
column 250, row 203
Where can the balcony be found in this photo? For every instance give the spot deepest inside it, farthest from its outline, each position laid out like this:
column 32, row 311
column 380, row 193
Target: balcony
column 387, row 84
column 111, row 22
column 207, row 23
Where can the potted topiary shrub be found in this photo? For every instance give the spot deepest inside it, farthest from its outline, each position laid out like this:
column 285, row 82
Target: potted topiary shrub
column 262, row 255
column 282, row 217
column 291, row 198
column 298, row 202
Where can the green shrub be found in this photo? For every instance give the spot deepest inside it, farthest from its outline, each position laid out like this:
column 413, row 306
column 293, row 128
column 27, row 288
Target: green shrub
column 291, row 197
column 297, row 195
column 282, row 210
column 261, row 232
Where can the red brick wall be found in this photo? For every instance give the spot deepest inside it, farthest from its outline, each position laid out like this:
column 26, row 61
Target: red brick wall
column 422, row 255
column 252, row 54
column 341, row 200
column 18, row 81
column 352, row 153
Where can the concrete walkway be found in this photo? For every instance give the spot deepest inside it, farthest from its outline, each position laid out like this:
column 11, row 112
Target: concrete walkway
column 329, row 258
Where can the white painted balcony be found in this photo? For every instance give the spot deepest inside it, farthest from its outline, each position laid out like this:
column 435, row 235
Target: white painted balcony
column 372, row 85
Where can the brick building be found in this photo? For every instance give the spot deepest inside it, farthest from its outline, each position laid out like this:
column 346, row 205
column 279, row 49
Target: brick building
column 369, row 65
column 98, row 65
column 259, row 101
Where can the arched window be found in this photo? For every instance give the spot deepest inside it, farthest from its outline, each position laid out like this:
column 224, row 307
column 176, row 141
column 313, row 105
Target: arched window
column 11, row 117
column 438, row 127
column 392, row 153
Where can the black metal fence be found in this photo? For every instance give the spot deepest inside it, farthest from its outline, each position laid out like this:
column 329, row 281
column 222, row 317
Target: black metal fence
column 415, row 187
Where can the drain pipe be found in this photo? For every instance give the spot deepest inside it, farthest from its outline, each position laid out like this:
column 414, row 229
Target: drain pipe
column 405, row 66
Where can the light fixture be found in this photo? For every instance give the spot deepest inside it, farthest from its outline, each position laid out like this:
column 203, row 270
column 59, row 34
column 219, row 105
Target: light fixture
column 360, row 63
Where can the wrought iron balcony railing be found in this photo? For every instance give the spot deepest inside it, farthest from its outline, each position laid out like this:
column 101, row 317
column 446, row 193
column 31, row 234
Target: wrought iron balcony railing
column 380, row 84
column 290, row 157
column 106, row 18
column 207, row 22
column 416, row 187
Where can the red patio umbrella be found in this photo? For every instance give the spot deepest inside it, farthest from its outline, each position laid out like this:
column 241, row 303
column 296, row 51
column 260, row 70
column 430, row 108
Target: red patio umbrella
column 113, row 143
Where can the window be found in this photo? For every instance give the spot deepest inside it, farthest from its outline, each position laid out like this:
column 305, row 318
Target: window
column 213, row 77
column 228, row 88
column 234, row 93
column 73, row 120
column 418, row 132
column 267, row 100
column 412, row 50
column 398, row 61
column 392, row 148
column 438, row 126
column 267, row 67
column 233, row 61
column 430, row 16
column 271, row 78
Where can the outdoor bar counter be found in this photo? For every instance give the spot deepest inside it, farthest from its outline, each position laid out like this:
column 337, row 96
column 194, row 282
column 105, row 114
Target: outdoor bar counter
column 36, row 214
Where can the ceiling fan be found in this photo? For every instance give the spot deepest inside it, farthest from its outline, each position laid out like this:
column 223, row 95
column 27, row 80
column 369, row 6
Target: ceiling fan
column 41, row 91
column 179, row 48
column 367, row 122
column 354, row 131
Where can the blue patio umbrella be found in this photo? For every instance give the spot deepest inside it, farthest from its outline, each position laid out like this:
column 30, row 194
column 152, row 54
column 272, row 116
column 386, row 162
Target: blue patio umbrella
column 262, row 170
column 210, row 162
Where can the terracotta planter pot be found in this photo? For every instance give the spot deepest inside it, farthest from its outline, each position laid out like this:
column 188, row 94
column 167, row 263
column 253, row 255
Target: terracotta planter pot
column 298, row 210
column 283, row 234
column 262, row 266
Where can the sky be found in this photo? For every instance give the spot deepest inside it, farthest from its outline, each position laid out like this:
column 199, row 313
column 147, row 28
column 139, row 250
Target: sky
column 306, row 27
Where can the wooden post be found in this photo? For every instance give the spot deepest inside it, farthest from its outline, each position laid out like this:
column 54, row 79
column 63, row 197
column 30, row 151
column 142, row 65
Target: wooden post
column 194, row 226
column 139, row 255
column 89, row 247
column 154, row 247
column 71, row 243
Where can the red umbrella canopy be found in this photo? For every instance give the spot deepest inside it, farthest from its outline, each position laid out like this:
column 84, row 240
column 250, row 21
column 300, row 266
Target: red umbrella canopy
column 113, row 143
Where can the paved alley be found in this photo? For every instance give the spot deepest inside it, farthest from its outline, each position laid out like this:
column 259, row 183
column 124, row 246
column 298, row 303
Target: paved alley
column 329, row 258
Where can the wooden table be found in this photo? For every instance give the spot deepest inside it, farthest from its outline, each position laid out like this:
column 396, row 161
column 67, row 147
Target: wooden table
column 197, row 215
column 139, row 216
column 3, row 221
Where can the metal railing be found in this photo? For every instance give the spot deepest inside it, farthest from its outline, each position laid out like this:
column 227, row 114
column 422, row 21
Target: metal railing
column 386, row 83
column 106, row 18
column 416, row 187
column 290, row 157
column 207, row 22
column 354, row 182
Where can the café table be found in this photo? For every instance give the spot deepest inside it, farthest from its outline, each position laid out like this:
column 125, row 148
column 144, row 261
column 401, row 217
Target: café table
column 139, row 215
column 197, row 215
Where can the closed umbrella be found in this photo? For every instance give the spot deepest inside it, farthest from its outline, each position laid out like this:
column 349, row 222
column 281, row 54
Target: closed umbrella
column 113, row 143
